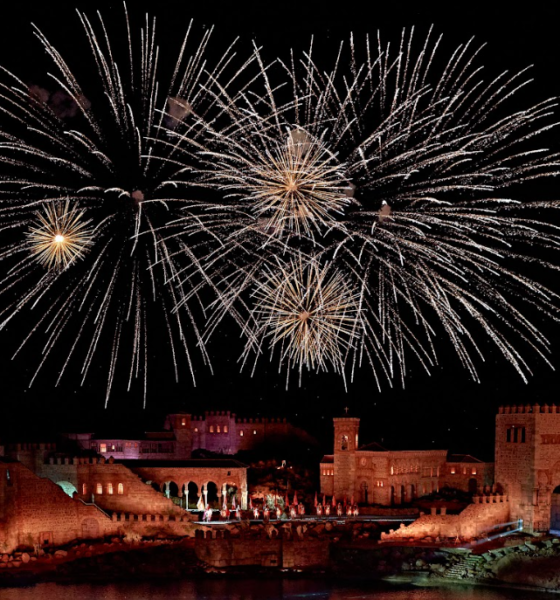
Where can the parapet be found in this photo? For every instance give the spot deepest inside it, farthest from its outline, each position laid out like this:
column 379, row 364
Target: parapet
column 528, row 409
column 490, row 499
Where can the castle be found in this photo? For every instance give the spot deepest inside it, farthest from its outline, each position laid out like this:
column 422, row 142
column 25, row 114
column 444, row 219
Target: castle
column 49, row 498
column 525, row 473
column 372, row 474
column 220, row 432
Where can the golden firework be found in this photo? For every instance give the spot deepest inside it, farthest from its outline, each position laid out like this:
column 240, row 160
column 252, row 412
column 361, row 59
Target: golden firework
column 312, row 312
column 60, row 237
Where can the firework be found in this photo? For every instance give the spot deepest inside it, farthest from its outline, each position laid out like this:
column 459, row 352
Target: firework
column 310, row 313
column 99, row 155
column 409, row 156
column 60, row 237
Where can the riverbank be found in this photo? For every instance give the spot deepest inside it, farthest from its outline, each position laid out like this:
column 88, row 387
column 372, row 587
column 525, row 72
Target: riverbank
column 351, row 554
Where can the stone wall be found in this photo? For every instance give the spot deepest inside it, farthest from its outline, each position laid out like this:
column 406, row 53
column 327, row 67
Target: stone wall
column 477, row 519
column 36, row 511
column 287, row 554
column 111, row 486
column 528, row 462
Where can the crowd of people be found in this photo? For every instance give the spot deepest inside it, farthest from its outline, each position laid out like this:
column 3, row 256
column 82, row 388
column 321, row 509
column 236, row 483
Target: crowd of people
column 278, row 512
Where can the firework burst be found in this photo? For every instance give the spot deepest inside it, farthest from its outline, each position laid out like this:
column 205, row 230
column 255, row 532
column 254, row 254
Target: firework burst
column 60, row 237
column 100, row 156
column 310, row 313
column 419, row 151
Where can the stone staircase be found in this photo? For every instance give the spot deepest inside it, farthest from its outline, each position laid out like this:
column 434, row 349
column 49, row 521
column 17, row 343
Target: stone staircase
column 465, row 568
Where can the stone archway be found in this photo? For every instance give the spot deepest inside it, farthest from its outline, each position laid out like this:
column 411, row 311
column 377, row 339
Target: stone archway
column 212, row 496
column 555, row 509
column 90, row 528
column 192, row 494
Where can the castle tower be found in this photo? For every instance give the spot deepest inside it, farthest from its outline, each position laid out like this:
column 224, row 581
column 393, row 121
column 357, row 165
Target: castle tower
column 527, row 463
column 180, row 424
column 345, row 446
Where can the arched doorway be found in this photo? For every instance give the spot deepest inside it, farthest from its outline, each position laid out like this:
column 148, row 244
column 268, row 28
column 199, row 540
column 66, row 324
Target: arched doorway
column 90, row 528
column 473, row 486
column 171, row 489
column 212, row 497
column 555, row 510
column 192, row 495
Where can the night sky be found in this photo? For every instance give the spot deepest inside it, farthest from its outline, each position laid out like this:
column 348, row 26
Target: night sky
column 445, row 410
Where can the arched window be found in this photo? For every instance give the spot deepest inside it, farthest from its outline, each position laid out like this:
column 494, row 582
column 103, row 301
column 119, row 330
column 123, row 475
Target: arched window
column 98, row 489
column 254, row 432
column 109, row 488
column 196, row 429
column 120, row 489
column 84, row 489
column 218, row 429
column 211, row 428
column 344, row 442
column 183, row 422
column 241, row 434
column 225, row 428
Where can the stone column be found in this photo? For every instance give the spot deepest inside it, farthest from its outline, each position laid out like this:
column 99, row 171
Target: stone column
column 244, row 498
column 205, row 493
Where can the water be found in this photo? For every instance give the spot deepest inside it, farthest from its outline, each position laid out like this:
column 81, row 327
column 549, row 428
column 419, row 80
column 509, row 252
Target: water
column 257, row 589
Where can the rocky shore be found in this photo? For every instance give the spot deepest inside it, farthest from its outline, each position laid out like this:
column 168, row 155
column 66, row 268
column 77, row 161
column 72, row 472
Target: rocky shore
column 343, row 550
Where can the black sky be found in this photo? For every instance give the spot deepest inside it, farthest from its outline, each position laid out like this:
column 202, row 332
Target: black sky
column 445, row 410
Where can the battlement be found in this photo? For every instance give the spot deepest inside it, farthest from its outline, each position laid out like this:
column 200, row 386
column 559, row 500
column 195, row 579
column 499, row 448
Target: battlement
column 29, row 447
column 490, row 499
column 213, row 413
column 529, row 409
column 80, row 460
column 157, row 518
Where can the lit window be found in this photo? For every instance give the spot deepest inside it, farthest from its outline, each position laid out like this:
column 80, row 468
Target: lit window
column 120, row 489
column 254, row 432
column 109, row 488
column 183, row 422
column 113, row 447
column 102, row 448
column 218, row 429
column 241, row 434
column 196, row 429
column 464, row 470
column 225, row 429
column 452, row 470
column 473, row 471
column 99, row 488
column 211, row 428
column 392, row 470
column 84, row 489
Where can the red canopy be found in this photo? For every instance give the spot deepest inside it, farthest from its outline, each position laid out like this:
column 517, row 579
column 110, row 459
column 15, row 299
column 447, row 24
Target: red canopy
column 333, row 501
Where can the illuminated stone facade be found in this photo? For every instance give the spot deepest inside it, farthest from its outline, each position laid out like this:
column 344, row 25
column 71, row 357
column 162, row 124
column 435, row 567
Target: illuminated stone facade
column 217, row 431
column 528, row 463
column 374, row 475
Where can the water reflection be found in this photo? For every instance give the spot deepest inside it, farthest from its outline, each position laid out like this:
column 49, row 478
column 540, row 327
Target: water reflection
column 256, row 589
